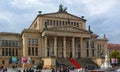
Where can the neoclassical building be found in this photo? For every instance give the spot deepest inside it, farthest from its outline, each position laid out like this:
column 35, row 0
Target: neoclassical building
column 58, row 34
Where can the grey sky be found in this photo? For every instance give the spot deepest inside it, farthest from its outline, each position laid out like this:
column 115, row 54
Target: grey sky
column 102, row 15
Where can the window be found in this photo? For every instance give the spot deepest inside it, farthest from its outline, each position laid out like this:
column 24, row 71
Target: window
column 77, row 24
column 32, row 50
column 3, row 43
column 63, row 23
column 36, row 42
column 50, row 22
column 57, row 22
column 60, row 23
column 54, row 23
column 71, row 23
column 13, row 52
column 6, row 51
column 32, row 42
column 36, row 51
column 74, row 23
column 92, row 44
column 87, row 53
column 16, row 52
column 3, row 52
column 92, row 52
column 6, row 43
column 9, row 51
column 12, row 43
column 29, row 51
column 29, row 41
column 3, row 62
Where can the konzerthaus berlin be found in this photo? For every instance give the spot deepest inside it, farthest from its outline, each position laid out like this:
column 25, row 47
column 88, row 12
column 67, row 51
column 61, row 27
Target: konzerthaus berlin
column 52, row 35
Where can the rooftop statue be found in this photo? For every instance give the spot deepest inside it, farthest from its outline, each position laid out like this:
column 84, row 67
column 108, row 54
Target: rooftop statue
column 61, row 9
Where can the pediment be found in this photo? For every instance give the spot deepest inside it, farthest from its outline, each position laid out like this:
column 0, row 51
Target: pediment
column 68, row 29
column 63, row 15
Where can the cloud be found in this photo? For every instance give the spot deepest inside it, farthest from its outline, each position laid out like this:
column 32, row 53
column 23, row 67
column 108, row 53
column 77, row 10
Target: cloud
column 103, row 16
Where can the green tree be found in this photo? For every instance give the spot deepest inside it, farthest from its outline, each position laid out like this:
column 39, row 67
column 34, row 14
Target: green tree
column 115, row 54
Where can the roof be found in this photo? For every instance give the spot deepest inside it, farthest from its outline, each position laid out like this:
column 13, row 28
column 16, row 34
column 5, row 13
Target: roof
column 113, row 46
column 8, row 33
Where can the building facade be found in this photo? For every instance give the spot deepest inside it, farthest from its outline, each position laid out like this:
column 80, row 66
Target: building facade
column 58, row 34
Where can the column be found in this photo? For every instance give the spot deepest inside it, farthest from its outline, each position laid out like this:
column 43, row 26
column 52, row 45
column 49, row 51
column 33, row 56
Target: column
column 81, row 47
column 73, row 47
column 45, row 46
column 55, row 46
column 64, row 46
column 89, row 49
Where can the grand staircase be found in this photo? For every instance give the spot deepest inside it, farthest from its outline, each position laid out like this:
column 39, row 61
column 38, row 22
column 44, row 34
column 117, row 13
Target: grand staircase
column 78, row 63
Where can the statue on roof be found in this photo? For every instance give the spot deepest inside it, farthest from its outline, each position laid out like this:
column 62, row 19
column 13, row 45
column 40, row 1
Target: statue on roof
column 90, row 29
column 61, row 9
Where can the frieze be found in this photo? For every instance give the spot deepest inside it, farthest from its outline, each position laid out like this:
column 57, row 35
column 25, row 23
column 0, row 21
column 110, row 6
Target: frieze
column 68, row 28
column 63, row 16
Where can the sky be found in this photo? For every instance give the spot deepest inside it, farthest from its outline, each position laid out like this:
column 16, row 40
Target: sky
column 102, row 15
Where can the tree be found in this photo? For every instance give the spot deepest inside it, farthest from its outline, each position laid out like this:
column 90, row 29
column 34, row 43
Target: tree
column 115, row 54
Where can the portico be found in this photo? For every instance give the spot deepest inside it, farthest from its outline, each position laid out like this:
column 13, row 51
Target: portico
column 65, row 45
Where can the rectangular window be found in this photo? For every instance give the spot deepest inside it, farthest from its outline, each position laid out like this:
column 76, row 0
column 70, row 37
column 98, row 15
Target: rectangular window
column 3, row 52
column 36, row 51
column 57, row 22
column 16, row 52
column 36, row 42
column 77, row 24
column 92, row 44
column 32, row 50
column 32, row 42
column 92, row 52
column 13, row 52
column 13, row 44
column 54, row 23
column 9, row 51
column 6, row 51
column 3, row 43
column 29, row 51
column 6, row 43
column 87, row 44
column 50, row 22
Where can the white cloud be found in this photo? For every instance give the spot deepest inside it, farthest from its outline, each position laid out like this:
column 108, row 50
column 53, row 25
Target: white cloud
column 32, row 4
column 26, row 4
column 6, row 16
column 99, row 6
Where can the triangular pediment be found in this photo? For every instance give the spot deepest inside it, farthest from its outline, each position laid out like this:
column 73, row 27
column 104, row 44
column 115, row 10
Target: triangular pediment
column 63, row 15
column 68, row 29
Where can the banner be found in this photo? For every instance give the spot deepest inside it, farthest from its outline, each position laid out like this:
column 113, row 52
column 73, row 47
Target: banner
column 13, row 59
column 114, row 60
column 26, row 59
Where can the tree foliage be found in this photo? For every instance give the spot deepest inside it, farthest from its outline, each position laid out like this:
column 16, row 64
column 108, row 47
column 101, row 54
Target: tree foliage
column 115, row 54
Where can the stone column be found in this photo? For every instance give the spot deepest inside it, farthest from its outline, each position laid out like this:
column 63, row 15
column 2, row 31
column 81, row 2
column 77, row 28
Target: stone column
column 55, row 46
column 64, row 46
column 45, row 46
column 81, row 47
column 89, row 48
column 73, row 47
